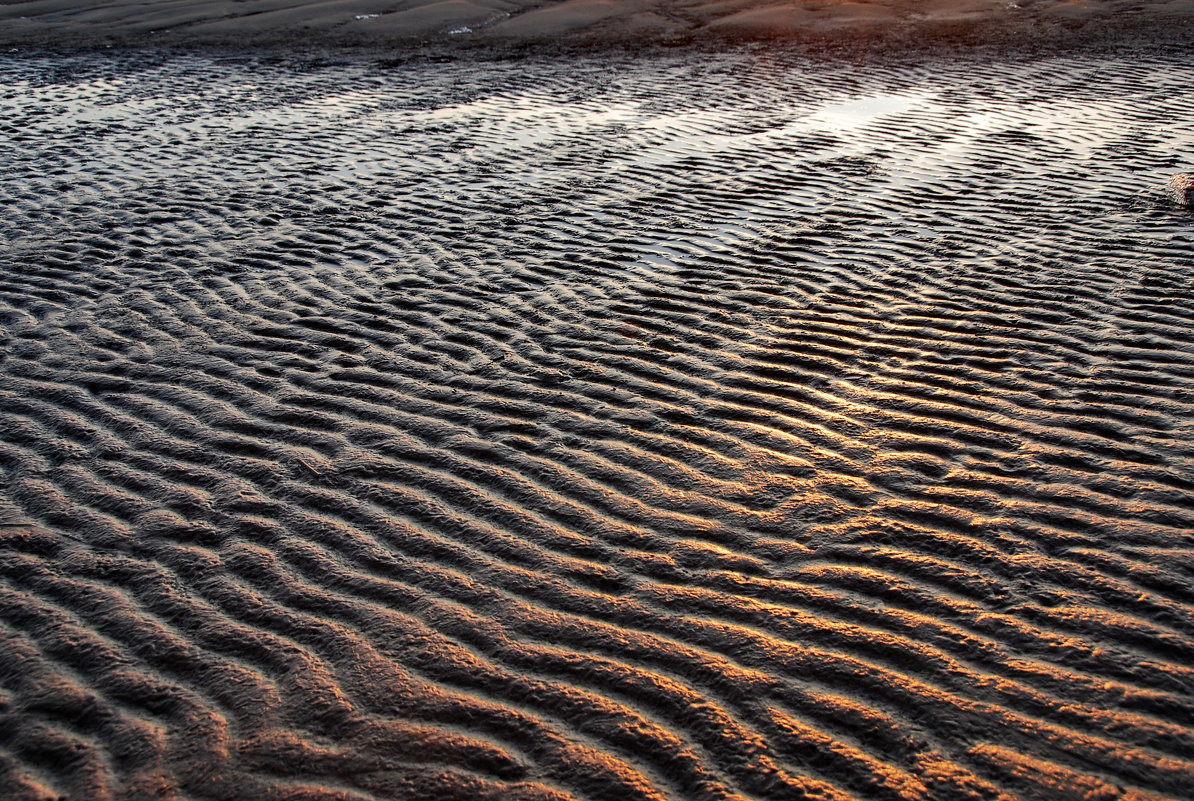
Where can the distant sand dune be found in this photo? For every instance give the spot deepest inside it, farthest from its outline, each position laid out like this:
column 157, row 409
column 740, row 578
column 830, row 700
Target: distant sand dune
column 704, row 427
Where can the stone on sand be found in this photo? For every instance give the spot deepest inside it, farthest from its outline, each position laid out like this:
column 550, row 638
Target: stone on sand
column 1182, row 187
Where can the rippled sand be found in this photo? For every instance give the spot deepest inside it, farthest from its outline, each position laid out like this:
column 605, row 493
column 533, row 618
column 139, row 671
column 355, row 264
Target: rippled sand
column 702, row 427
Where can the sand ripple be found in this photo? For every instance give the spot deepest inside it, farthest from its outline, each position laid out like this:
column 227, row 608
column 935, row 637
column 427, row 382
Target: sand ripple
column 701, row 428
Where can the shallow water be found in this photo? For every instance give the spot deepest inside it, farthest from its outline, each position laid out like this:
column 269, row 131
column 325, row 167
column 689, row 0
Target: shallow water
column 701, row 427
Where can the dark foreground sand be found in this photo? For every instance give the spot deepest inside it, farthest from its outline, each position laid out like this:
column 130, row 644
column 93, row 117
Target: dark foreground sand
column 388, row 23
column 702, row 427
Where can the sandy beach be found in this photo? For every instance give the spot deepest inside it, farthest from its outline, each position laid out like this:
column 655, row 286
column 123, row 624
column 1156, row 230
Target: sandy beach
column 450, row 419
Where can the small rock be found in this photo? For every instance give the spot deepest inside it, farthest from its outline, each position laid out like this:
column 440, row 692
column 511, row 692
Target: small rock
column 1182, row 187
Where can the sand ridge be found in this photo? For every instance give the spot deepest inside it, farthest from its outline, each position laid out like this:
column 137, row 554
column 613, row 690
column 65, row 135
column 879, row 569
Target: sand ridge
column 695, row 428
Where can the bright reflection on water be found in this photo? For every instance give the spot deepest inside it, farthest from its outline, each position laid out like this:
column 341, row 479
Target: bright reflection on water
column 865, row 110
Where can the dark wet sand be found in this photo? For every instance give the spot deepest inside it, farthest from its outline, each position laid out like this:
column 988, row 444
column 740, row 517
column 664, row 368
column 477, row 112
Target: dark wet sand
column 713, row 425
column 374, row 23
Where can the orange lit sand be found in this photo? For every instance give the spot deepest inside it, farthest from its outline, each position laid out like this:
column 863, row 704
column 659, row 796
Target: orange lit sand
column 709, row 426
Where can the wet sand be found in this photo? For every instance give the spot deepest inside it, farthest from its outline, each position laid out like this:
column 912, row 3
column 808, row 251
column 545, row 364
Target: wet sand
column 721, row 424
column 729, row 426
column 374, row 23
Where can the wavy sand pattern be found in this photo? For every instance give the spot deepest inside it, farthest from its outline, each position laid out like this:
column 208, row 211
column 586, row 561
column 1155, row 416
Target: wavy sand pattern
column 692, row 428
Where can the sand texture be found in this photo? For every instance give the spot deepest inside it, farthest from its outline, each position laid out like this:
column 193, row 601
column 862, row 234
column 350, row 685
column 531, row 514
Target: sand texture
column 386, row 22
column 705, row 427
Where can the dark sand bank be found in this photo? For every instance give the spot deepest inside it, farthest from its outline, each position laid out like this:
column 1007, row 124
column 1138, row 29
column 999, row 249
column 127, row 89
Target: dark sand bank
column 384, row 23
column 696, row 428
